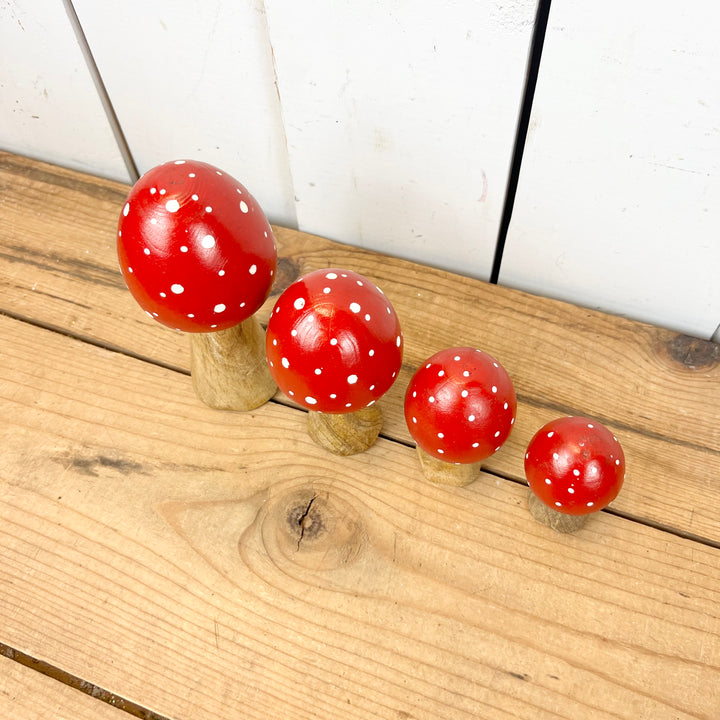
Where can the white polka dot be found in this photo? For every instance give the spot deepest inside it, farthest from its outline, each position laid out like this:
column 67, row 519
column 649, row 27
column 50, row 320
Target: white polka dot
column 172, row 206
column 441, row 435
column 457, row 357
column 331, row 276
column 191, row 174
column 275, row 342
column 414, row 419
column 148, row 313
column 163, row 294
column 146, row 251
column 372, row 387
column 548, row 481
column 494, row 388
column 163, row 191
column 208, row 242
column 126, row 209
column 326, row 290
column 471, row 418
column 177, row 288
column 367, row 317
column 398, row 341
column 299, row 304
column 153, row 191
column 352, row 379
column 576, row 473
column 153, row 221
column 333, row 396
column 348, row 404
column 130, row 270
column 505, row 406
column 208, row 209
column 558, row 503
column 285, row 362
column 427, row 367
column 221, row 273
column 359, row 283
column 242, row 304
column 183, row 248
column 571, row 491
column 497, row 434
column 512, row 421
column 310, row 400
column 441, row 373
column 371, row 353
column 617, row 462
column 466, row 373
column 293, row 332
column 551, row 433
column 253, row 269
column 591, row 426
column 431, row 399
column 194, row 197
column 179, row 162
column 441, row 451
column 464, row 393
column 219, row 308
column 555, row 456
column 355, row 307
column 243, row 206
column 191, row 315
column 318, row 371
column 333, row 341
column 476, row 444
column 590, row 504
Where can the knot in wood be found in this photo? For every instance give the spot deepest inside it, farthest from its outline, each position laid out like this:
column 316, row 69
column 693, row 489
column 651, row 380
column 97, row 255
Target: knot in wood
column 694, row 353
column 317, row 528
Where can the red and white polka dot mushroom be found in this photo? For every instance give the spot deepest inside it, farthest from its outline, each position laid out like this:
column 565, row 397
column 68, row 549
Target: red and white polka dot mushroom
column 460, row 408
column 198, row 255
column 334, row 346
column 574, row 466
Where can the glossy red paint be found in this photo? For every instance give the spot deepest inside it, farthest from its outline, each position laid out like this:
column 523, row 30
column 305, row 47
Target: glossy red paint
column 575, row 465
column 195, row 248
column 460, row 405
column 334, row 342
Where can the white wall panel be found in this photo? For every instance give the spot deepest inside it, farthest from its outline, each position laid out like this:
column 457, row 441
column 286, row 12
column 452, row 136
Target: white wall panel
column 400, row 119
column 618, row 205
column 49, row 108
column 194, row 78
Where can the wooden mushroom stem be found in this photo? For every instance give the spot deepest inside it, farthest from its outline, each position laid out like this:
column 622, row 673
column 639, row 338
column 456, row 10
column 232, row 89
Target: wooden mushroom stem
column 348, row 433
column 447, row 473
column 561, row 522
column 228, row 367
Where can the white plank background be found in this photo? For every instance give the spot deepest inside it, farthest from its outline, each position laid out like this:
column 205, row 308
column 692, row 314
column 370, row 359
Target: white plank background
column 194, row 79
column 401, row 119
column 49, row 107
column 618, row 205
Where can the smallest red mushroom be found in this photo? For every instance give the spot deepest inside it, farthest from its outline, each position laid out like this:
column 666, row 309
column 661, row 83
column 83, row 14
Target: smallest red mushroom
column 574, row 466
column 460, row 408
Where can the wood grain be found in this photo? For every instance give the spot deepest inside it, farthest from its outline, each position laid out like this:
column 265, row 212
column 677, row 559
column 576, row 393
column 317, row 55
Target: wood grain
column 658, row 391
column 28, row 695
column 191, row 562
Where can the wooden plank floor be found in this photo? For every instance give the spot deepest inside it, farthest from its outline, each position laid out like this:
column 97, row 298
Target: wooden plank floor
column 150, row 545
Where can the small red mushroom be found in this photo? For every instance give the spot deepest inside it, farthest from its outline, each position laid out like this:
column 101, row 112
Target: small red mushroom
column 198, row 255
column 334, row 346
column 460, row 408
column 574, row 466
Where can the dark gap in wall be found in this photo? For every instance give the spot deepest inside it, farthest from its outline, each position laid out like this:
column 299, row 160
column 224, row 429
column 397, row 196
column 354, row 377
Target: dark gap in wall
column 536, row 46
column 102, row 92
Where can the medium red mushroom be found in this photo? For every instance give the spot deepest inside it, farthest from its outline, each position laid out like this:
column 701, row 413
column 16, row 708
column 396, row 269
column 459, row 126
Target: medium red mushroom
column 460, row 408
column 574, row 466
column 334, row 346
column 198, row 255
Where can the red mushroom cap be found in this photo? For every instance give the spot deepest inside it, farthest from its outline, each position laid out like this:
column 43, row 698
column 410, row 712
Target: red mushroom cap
column 334, row 342
column 575, row 465
column 460, row 405
column 195, row 248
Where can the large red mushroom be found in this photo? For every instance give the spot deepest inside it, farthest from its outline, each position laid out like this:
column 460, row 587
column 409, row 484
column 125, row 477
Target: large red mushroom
column 574, row 466
column 460, row 408
column 198, row 255
column 334, row 346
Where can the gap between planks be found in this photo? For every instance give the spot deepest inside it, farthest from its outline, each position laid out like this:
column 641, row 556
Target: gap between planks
column 281, row 400
column 88, row 688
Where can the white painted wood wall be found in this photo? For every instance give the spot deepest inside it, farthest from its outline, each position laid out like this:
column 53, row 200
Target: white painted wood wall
column 391, row 125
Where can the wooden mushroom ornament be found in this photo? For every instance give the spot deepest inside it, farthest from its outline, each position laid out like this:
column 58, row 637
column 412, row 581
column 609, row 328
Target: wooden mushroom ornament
column 334, row 346
column 198, row 255
column 460, row 407
column 574, row 466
